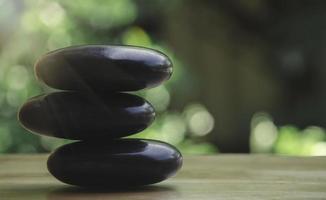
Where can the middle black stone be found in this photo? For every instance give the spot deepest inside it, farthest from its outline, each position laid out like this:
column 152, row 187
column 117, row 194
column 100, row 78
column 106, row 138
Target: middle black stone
column 86, row 116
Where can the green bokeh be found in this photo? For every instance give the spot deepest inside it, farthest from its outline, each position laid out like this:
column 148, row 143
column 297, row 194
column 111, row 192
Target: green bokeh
column 31, row 28
column 42, row 26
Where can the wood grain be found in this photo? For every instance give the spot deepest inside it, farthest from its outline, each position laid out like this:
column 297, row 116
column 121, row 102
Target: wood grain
column 202, row 177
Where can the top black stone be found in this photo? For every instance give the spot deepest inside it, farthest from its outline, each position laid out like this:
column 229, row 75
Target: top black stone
column 103, row 68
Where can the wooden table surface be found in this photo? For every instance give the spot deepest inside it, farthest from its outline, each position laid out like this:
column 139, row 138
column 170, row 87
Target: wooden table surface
column 202, row 177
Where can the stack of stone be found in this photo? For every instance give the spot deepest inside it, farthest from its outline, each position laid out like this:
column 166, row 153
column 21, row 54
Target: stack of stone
column 92, row 109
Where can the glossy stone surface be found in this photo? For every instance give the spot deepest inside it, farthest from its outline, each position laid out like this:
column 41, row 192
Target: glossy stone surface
column 103, row 68
column 117, row 163
column 75, row 115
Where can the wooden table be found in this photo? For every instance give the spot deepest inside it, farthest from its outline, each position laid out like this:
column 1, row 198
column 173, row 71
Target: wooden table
column 203, row 177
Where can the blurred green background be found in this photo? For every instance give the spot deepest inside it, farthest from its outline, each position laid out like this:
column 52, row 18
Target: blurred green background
column 249, row 76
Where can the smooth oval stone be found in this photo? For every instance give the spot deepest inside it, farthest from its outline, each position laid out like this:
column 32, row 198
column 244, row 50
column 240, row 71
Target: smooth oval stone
column 103, row 68
column 118, row 163
column 74, row 115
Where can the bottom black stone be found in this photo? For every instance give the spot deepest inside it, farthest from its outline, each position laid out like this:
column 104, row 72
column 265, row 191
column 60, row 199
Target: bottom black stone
column 118, row 163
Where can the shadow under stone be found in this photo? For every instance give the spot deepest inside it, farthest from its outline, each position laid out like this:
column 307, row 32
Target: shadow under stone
column 143, row 192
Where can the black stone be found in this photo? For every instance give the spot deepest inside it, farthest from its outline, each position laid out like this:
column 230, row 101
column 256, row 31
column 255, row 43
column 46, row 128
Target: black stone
column 103, row 68
column 75, row 115
column 117, row 163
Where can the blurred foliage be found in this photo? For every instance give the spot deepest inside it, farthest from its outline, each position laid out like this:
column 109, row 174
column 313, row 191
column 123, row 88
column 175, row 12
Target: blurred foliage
column 286, row 140
column 42, row 26
column 30, row 28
